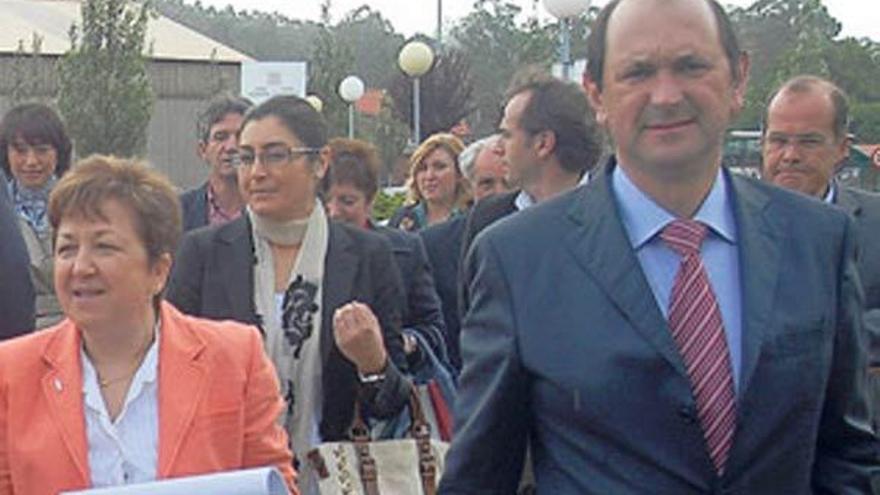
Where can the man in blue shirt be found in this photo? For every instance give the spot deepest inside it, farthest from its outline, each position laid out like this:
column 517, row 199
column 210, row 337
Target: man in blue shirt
column 805, row 142
column 669, row 328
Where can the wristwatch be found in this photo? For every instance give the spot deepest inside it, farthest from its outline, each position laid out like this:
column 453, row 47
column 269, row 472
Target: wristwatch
column 373, row 378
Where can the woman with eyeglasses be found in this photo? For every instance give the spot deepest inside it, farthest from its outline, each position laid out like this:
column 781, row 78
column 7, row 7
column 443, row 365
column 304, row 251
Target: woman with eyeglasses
column 34, row 152
column 327, row 296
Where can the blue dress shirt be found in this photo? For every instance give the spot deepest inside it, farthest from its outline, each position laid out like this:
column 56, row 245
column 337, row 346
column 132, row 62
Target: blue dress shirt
column 643, row 219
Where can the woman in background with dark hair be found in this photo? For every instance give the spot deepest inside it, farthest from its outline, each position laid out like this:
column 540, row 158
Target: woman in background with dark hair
column 326, row 295
column 349, row 188
column 34, row 152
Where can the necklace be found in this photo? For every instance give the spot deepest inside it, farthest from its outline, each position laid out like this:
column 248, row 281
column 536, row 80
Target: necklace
column 106, row 382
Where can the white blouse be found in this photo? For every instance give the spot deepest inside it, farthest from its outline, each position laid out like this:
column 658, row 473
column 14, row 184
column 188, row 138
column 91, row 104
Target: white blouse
column 124, row 451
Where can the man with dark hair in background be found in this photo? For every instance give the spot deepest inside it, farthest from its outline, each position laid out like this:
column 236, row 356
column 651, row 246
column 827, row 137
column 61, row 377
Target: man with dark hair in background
column 549, row 141
column 218, row 200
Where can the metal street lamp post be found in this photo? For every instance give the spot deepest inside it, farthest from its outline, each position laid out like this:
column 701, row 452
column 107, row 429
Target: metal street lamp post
column 565, row 11
column 415, row 60
column 351, row 89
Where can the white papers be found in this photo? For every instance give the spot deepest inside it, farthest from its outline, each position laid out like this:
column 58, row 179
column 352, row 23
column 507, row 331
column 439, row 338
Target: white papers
column 260, row 481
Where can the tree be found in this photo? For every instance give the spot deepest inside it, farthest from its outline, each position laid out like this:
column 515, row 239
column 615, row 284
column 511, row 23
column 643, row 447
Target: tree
column 497, row 46
column 105, row 93
column 445, row 93
column 784, row 38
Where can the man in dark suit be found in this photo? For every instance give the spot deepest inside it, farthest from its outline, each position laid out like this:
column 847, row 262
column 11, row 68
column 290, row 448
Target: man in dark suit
column 669, row 328
column 218, row 200
column 16, row 291
column 549, row 141
column 805, row 141
column 482, row 165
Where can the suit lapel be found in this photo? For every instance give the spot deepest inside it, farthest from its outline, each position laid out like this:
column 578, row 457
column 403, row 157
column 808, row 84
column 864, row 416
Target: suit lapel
column 62, row 388
column 595, row 241
column 182, row 382
column 235, row 256
column 760, row 235
column 340, row 269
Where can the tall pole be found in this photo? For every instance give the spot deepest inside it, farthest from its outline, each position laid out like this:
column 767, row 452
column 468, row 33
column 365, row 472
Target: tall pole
column 350, row 121
column 439, row 22
column 565, row 47
column 417, row 113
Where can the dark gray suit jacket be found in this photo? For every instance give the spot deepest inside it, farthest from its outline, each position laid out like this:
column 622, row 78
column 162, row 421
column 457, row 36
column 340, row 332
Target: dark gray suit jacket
column 16, row 290
column 564, row 345
column 483, row 214
column 213, row 277
column 865, row 209
column 194, row 207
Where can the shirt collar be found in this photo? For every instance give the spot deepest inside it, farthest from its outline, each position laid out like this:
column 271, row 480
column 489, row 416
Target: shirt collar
column 644, row 218
column 523, row 200
column 146, row 374
column 831, row 194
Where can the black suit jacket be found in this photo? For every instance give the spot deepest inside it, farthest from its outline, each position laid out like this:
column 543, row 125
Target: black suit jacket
column 194, row 206
column 16, row 290
column 213, row 277
column 422, row 312
column 564, row 345
column 443, row 246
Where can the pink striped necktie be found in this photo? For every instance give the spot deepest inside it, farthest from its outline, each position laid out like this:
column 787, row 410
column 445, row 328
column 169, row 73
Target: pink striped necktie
column 696, row 325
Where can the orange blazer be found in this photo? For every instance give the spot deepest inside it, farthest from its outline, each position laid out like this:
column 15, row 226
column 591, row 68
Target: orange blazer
column 218, row 405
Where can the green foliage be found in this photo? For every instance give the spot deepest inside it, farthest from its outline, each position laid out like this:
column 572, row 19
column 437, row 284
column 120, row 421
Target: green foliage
column 783, row 38
column 386, row 204
column 264, row 36
column 331, row 63
column 786, row 38
column 497, row 46
column 387, row 132
column 105, row 93
column 866, row 122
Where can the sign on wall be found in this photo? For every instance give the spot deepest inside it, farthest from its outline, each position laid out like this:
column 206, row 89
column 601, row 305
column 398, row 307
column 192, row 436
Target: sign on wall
column 262, row 80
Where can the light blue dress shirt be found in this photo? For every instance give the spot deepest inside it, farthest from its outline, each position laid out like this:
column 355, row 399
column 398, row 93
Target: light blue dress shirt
column 643, row 220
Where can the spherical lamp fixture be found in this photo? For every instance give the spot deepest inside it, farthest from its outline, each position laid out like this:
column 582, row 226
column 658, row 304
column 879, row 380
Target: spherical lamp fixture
column 415, row 58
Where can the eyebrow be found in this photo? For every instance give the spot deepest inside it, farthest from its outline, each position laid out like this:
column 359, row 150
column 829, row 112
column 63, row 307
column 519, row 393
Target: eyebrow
column 812, row 134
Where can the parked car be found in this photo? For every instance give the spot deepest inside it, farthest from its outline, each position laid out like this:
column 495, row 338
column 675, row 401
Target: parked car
column 742, row 154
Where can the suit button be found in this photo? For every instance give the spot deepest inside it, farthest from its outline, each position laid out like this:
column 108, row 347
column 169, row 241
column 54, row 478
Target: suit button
column 687, row 414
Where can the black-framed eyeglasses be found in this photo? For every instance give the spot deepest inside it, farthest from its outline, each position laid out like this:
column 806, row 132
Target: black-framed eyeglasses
column 274, row 156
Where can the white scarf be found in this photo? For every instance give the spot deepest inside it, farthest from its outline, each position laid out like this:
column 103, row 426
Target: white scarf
column 298, row 366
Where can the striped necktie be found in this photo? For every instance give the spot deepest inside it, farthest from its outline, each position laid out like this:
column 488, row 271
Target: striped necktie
column 698, row 331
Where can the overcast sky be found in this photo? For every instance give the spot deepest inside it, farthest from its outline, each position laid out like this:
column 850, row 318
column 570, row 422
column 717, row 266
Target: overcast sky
column 859, row 17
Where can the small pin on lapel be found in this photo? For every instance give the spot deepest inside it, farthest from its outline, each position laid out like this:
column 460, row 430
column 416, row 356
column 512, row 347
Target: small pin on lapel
column 57, row 383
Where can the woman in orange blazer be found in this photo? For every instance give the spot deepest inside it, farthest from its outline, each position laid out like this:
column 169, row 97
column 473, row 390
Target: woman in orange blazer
column 127, row 389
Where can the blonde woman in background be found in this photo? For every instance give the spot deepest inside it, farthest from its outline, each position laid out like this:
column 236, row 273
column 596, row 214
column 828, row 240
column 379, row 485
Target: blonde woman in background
column 437, row 189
